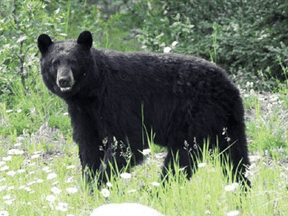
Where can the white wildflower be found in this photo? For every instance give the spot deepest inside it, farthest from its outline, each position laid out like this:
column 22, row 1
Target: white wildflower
column 166, row 49
column 50, row 198
column 283, row 175
column 31, row 164
column 69, row 180
column 201, row 165
column 11, row 173
column 131, row 191
column 15, row 152
column 4, row 213
column 8, row 158
column 174, row 43
column 105, row 192
column 207, row 212
column 63, row 34
column 2, row 188
column 39, row 180
column 35, row 156
column 55, row 183
column 126, row 175
column 21, row 171
column 232, row 187
column 252, row 92
column 146, row 152
column 109, row 184
column 71, row 167
column 71, row 190
column 51, row 176
column 62, row 207
column 57, row 11
column 17, row 144
column 31, row 183
column 4, row 168
column 233, row 213
column 156, row 184
column 46, row 169
column 10, row 188
column 8, row 202
column 149, row 6
column 23, row 187
column 254, row 158
column 55, row 190
column 7, row 197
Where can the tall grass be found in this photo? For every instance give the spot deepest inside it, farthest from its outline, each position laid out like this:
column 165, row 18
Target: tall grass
column 36, row 183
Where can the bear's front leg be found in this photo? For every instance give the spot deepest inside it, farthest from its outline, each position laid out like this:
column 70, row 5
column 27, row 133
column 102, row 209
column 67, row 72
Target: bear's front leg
column 90, row 157
column 87, row 135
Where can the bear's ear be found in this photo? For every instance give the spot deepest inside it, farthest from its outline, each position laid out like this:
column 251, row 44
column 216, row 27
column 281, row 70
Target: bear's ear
column 85, row 39
column 44, row 41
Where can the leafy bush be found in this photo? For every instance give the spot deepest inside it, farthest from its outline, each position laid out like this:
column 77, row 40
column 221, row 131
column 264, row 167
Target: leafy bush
column 245, row 35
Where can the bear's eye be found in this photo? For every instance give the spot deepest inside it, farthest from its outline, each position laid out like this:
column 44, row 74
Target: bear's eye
column 55, row 63
column 71, row 62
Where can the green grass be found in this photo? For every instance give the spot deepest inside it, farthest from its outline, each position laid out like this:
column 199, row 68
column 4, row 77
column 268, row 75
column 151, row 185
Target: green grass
column 28, row 110
column 36, row 183
column 267, row 124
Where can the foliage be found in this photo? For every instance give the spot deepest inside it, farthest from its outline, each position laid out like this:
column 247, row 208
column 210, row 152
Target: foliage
column 240, row 35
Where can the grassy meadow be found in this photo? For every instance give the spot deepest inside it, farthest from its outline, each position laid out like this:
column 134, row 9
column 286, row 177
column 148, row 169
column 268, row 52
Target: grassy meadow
column 40, row 171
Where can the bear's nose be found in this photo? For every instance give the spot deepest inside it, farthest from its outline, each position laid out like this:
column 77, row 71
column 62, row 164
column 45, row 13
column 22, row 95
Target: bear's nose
column 64, row 82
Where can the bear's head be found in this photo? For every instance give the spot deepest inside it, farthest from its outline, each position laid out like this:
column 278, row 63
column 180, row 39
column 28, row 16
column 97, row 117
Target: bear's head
column 65, row 64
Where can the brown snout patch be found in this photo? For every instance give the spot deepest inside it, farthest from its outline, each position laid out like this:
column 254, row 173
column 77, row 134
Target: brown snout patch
column 65, row 79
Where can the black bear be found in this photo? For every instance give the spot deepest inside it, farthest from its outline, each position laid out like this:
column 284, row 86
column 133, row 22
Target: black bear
column 112, row 95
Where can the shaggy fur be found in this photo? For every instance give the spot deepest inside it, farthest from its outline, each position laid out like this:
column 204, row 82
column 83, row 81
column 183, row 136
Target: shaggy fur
column 185, row 100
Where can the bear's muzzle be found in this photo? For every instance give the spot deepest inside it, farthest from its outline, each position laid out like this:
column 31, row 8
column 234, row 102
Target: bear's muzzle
column 65, row 79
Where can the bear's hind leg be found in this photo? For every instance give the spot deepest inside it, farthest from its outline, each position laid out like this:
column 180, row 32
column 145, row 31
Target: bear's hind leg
column 234, row 145
column 184, row 158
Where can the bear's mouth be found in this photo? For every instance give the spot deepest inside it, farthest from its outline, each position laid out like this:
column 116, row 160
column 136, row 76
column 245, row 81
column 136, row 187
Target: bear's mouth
column 66, row 89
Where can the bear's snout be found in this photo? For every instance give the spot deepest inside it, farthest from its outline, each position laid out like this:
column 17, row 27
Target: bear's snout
column 65, row 80
column 64, row 84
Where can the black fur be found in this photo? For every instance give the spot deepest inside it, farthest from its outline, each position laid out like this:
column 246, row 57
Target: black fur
column 185, row 100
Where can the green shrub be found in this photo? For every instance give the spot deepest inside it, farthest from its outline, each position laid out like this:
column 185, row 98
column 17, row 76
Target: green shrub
column 237, row 35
